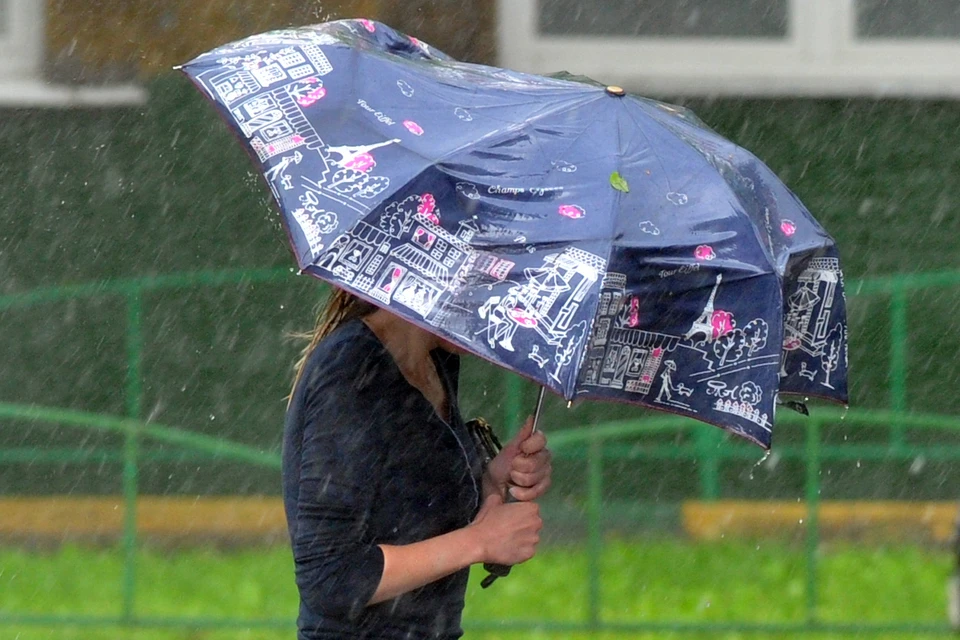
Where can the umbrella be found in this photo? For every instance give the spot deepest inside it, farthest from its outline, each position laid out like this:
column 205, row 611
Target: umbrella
column 605, row 245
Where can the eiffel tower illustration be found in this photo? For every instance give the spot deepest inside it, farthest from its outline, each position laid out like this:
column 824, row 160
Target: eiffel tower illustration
column 704, row 323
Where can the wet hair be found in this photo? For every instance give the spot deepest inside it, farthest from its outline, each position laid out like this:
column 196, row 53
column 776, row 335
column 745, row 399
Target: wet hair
column 339, row 307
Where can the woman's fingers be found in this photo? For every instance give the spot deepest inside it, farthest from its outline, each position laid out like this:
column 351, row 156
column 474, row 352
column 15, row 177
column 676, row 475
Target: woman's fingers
column 528, row 494
column 533, row 444
column 532, row 471
column 531, row 463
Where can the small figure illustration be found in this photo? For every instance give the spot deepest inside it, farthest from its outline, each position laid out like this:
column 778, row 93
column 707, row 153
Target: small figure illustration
column 536, row 357
column 279, row 169
column 667, row 388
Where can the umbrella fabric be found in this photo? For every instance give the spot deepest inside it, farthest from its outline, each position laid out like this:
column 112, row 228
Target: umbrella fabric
column 604, row 245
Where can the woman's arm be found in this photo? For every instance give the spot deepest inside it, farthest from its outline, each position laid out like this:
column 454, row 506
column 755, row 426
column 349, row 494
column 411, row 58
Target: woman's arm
column 501, row 533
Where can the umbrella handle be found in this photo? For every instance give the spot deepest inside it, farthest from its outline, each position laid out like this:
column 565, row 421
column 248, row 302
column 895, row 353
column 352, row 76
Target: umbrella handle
column 502, row 570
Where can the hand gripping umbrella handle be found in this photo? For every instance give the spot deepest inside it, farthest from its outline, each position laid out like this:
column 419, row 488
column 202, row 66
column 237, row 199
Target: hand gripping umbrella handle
column 495, row 571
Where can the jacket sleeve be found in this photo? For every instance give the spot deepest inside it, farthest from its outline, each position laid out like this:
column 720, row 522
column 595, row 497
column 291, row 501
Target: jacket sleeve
column 338, row 566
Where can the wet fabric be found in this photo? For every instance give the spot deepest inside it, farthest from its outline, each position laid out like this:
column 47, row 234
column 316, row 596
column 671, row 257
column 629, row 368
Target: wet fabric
column 367, row 461
column 605, row 245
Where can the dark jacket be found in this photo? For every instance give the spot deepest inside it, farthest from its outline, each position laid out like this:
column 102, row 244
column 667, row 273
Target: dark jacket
column 367, row 461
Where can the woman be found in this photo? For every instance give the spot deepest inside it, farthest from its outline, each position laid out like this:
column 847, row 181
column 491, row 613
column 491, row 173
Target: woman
column 386, row 499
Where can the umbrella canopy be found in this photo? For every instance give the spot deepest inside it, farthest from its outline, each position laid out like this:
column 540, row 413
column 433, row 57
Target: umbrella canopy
column 604, row 245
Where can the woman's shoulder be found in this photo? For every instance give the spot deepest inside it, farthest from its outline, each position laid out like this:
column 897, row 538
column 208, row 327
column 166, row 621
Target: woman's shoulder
column 350, row 357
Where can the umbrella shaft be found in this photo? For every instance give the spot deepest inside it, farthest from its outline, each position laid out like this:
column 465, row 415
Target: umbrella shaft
column 536, row 413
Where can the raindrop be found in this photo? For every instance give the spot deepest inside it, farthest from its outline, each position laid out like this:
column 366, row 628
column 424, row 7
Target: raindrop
column 801, row 520
column 917, row 465
column 213, row 417
column 858, row 464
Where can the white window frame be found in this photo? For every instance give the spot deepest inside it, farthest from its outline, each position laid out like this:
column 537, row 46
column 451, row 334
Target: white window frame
column 820, row 56
column 21, row 46
column 21, row 67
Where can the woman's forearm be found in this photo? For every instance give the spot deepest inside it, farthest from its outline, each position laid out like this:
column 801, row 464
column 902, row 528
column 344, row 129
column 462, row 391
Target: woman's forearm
column 407, row 567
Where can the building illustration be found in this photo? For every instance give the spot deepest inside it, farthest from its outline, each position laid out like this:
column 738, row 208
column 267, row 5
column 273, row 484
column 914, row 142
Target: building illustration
column 620, row 356
column 410, row 259
column 807, row 323
column 547, row 302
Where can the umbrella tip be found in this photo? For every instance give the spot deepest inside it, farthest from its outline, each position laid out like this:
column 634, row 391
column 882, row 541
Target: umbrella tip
column 614, row 90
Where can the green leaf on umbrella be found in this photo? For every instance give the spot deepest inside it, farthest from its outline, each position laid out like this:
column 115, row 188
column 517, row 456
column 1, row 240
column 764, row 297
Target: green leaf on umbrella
column 618, row 183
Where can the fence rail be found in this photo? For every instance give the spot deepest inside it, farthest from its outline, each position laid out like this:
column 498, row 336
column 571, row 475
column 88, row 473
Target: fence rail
column 597, row 444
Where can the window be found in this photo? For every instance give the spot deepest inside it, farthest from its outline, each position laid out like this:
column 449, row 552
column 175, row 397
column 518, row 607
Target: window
column 908, row 19
column 744, row 47
column 677, row 19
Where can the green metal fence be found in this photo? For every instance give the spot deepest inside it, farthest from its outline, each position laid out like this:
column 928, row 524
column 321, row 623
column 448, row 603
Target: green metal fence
column 596, row 445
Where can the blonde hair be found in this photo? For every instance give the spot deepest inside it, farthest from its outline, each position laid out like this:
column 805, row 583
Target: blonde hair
column 339, row 307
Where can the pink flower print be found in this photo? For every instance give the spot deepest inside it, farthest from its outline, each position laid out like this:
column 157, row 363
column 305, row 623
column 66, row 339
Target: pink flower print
column 428, row 208
column 704, row 252
column 788, row 228
column 296, row 139
column 413, row 127
column 368, row 25
column 571, row 211
column 634, row 312
column 361, row 162
column 523, row 318
column 657, row 352
column 311, row 97
column 427, row 204
column 722, row 323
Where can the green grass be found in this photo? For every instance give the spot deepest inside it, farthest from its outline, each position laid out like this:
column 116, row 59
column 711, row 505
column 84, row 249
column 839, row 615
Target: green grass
column 645, row 581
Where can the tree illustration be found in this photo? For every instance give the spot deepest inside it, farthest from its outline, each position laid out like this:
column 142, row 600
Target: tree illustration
column 373, row 186
column 750, row 393
column 347, row 181
column 396, row 217
column 755, row 335
column 830, row 358
column 729, row 346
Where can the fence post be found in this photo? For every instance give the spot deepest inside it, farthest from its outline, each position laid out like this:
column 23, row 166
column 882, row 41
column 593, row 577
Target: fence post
column 131, row 449
column 813, row 516
column 512, row 399
column 898, row 360
column 594, row 527
column 708, row 443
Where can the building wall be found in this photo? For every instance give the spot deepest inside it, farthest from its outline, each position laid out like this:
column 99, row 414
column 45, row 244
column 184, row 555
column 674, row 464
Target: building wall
column 113, row 40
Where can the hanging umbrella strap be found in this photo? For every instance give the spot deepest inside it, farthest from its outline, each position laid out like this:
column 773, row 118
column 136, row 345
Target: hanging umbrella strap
column 495, row 571
column 489, row 445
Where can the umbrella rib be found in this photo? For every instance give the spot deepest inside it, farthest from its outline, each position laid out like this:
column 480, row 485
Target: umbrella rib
column 707, row 166
column 495, row 135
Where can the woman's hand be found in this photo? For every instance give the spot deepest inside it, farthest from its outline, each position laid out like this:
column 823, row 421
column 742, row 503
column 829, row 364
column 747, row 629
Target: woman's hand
column 522, row 466
column 506, row 534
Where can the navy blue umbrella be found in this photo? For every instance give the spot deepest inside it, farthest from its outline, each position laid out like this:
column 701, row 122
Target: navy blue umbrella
column 604, row 245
